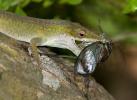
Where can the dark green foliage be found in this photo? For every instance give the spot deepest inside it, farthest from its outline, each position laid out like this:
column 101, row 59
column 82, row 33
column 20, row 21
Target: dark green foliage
column 131, row 7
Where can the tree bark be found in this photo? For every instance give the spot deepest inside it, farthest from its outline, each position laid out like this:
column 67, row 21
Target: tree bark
column 20, row 79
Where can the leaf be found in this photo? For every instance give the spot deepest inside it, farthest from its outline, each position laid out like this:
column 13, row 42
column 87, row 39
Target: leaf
column 48, row 3
column 36, row 0
column 19, row 11
column 5, row 4
column 72, row 2
column 25, row 3
column 131, row 7
column 0, row 2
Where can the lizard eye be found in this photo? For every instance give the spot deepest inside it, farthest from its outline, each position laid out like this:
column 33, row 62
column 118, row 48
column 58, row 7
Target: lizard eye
column 81, row 34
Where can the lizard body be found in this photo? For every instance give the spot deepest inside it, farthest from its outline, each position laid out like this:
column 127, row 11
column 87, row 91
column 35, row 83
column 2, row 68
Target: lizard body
column 45, row 32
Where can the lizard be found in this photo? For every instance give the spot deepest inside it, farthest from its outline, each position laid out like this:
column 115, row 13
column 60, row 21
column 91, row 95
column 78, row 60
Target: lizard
column 45, row 32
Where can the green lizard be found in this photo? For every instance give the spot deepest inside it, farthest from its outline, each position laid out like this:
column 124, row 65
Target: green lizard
column 44, row 32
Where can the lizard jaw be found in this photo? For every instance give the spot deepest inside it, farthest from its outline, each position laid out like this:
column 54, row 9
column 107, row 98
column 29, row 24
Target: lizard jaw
column 74, row 47
column 78, row 46
column 82, row 44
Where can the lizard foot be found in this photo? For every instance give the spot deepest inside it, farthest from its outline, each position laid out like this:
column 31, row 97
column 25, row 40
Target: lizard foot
column 32, row 58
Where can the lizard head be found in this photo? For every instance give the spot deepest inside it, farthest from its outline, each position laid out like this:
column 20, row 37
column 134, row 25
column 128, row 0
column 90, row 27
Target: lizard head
column 79, row 37
column 84, row 35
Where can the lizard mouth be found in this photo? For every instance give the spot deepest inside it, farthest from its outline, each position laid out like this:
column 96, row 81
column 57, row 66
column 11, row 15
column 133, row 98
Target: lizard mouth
column 82, row 44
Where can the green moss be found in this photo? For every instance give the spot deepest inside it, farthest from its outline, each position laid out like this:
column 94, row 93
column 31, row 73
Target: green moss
column 5, row 48
column 0, row 75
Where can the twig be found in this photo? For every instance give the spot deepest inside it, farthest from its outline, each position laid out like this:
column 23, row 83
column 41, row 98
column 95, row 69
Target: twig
column 124, row 37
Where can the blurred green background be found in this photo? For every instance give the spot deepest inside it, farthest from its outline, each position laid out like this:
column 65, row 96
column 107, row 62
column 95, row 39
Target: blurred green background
column 119, row 22
column 118, row 18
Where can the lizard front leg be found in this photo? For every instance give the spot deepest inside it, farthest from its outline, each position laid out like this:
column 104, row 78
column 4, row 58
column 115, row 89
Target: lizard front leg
column 33, row 46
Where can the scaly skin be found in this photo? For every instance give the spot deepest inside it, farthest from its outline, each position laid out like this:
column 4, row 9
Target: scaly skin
column 43, row 32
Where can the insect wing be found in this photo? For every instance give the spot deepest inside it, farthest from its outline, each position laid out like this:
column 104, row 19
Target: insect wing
column 88, row 58
column 107, row 48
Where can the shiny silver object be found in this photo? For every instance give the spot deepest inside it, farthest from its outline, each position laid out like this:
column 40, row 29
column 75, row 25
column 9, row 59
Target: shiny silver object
column 91, row 56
